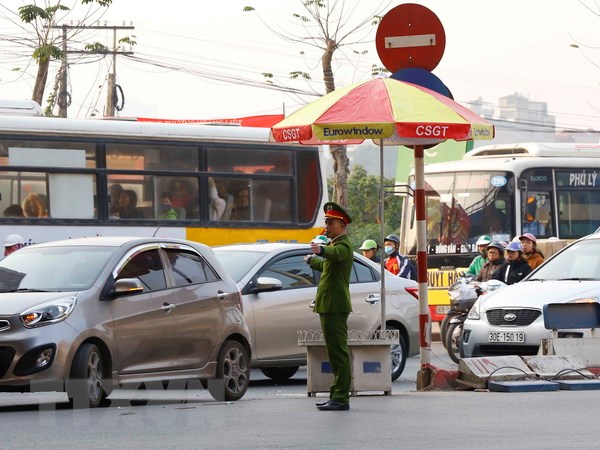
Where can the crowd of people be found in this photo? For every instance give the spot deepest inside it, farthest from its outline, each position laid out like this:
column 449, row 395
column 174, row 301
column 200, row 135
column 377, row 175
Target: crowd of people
column 506, row 262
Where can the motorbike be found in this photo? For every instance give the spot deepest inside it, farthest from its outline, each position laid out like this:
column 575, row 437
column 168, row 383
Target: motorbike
column 463, row 295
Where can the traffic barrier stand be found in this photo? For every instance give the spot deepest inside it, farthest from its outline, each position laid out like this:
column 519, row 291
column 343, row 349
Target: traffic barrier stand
column 370, row 360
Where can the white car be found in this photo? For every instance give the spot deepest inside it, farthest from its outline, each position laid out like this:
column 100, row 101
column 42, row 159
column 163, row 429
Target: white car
column 278, row 287
column 510, row 321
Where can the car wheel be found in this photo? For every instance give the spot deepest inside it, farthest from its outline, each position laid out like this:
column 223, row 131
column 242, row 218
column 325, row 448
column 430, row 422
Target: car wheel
column 234, row 370
column 279, row 373
column 87, row 377
column 398, row 353
column 453, row 335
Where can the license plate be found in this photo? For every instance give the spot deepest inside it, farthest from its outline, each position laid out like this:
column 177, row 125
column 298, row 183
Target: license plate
column 506, row 336
column 442, row 309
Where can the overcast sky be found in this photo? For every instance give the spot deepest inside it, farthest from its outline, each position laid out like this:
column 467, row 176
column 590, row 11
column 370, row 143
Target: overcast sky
column 492, row 49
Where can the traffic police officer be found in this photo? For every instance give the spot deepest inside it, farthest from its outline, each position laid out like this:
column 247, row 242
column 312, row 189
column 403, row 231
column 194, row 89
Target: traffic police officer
column 333, row 303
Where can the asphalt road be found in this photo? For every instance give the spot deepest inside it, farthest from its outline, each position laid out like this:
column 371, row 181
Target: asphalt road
column 281, row 416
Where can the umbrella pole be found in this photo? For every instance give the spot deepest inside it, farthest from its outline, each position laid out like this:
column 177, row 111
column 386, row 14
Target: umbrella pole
column 382, row 229
column 424, row 374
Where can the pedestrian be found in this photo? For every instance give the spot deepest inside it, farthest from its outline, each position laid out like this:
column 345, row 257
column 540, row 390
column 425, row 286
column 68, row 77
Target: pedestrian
column 370, row 250
column 495, row 256
column 478, row 262
column 532, row 255
column 395, row 262
column 515, row 268
column 12, row 243
column 333, row 303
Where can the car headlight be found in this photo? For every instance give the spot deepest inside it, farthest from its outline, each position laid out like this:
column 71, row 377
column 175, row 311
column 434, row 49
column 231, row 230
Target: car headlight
column 47, row 313
column 474, row 311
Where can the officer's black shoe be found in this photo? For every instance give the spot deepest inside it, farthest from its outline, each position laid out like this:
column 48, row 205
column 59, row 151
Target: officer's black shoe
column 323, row 403
column 334, row 405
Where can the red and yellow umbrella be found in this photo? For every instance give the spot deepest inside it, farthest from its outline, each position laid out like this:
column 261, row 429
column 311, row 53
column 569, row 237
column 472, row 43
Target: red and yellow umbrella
column 382, row 108
column 390, row 112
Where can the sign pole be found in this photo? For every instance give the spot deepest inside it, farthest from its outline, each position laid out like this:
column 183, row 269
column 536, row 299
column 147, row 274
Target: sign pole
column 424, row 374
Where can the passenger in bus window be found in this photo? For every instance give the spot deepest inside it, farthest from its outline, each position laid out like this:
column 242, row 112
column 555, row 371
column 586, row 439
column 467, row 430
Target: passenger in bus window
column 128, row 206
column 34, row 205
column 14, row 210
column 241, row 209
column 166, row 208
column 216, row 204
column 114, row 192
column 182, row 196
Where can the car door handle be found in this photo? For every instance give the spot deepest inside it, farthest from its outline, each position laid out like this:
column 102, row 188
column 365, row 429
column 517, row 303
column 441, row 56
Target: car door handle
column 167, row 307
column 373, row 298
column 223, row 295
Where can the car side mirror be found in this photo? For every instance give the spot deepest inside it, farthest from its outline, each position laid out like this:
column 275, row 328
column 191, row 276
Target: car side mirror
column 128, row 286
column 266, row 284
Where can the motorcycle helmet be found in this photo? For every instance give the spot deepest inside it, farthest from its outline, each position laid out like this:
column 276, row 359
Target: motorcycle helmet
column 369, row 244
column 483, row 240
column 13, row 239
column 320, row 239
column 497, row 245
column 393, row 238
column 514, row 247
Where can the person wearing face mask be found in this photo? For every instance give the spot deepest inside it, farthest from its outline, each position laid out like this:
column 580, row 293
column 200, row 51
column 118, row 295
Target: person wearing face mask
column 166, row 208
column 495, row 256
column 515, row 268
column 478, row 262
column 396, row 263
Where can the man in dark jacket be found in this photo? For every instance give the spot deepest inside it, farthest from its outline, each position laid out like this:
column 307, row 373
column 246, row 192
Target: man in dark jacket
column 515, row 268
column 399, row 265
column 333, row 303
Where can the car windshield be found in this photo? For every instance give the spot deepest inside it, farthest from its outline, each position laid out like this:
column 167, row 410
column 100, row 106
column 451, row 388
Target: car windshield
column 238, row 263
column 580, row 261
column 53, row 268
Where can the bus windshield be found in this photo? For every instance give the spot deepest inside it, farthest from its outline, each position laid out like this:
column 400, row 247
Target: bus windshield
column 461, row 207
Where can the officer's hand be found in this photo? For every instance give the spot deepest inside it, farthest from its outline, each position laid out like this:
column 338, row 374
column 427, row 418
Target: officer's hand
column 307, row 258
column 315, row 248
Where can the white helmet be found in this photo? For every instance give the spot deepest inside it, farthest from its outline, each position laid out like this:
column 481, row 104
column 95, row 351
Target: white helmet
column 13, row 239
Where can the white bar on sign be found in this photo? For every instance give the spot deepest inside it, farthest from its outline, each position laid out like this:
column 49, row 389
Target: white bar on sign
column 417, row 40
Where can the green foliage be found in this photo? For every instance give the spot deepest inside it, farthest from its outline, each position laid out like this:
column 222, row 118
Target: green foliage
column 363, row 207
column 299, row 74
column 96, row 47
column 248, row 9
column 47, row 52
column 105, row 3
column 130, row 40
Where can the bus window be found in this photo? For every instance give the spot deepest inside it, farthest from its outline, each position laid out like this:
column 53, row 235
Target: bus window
column 42, row 153
column 248, row 161
column 536, row 217
column 579, row 212
column 151, row 157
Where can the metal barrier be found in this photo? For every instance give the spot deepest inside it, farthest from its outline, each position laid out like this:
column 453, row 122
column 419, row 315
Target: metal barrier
column 370, row 360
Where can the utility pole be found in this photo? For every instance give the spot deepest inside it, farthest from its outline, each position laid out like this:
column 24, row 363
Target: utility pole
column 62, row 96
column 64, row 99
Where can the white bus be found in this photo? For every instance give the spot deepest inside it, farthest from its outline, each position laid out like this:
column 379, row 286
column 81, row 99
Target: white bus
column 63, row 178
column 550, row 190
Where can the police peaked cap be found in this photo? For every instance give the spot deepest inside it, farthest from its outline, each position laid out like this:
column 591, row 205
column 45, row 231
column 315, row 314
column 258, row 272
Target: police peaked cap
column 335, row 211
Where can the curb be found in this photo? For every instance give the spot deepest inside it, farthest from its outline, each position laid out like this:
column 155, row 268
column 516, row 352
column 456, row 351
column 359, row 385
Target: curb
column 441, row 379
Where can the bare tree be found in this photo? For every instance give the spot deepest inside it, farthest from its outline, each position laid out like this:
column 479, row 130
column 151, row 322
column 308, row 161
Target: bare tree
column 331, row 26
column 43, row 41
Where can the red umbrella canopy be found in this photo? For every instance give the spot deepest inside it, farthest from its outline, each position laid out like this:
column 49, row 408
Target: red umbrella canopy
column 382, row 108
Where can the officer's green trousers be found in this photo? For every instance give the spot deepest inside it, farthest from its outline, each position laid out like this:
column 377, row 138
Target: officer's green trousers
column 335, row 331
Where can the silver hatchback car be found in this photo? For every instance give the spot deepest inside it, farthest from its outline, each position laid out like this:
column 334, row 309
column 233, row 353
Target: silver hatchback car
column 278, row 288
column 95, row 312
column 510, row 321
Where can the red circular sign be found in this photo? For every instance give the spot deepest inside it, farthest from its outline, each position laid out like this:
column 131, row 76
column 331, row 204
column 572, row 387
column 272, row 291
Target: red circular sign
column 410, row 35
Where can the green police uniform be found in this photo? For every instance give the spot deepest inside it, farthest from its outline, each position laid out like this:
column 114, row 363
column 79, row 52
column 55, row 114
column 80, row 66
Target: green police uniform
column 333, row 305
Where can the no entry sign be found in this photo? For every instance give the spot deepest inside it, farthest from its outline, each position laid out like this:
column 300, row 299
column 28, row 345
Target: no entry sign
column 410, row 35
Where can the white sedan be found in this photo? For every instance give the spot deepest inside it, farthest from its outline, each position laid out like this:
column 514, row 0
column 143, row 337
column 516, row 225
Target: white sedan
column 510, row 321
column 278, row 287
